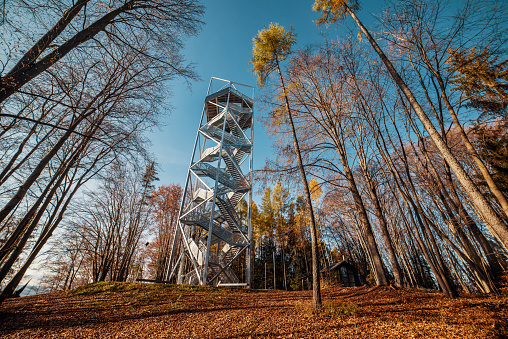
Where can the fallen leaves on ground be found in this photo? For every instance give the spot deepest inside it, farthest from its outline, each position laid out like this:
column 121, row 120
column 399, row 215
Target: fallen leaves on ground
column 127, row 310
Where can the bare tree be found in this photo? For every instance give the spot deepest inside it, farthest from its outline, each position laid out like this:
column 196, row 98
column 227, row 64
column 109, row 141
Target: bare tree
column 131, row 24
column 165, row 202
column 77, row 100
column 321, row 96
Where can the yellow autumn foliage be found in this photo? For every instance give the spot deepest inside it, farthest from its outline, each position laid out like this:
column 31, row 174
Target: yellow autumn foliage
column 271, row 45
column 333, row 10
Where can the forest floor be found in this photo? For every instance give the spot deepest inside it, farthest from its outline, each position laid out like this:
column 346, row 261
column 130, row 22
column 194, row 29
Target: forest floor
column 128, row 310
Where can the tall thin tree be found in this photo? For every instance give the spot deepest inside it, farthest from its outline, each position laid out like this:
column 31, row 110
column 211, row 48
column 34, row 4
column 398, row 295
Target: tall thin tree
column 271, row 46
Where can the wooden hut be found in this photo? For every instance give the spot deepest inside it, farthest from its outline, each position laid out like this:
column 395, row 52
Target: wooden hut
column 342, row 273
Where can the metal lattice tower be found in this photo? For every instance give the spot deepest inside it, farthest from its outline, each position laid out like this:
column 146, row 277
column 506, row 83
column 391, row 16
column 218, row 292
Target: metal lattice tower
column 211, row 235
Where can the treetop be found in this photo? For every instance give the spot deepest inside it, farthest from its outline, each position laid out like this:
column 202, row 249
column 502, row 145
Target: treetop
column 333, row 10
column 271, row 45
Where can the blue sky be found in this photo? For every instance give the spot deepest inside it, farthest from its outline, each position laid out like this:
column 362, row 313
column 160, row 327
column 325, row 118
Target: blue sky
column 223, row 49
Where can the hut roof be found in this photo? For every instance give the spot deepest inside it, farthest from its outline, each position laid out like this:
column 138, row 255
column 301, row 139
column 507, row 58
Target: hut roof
column 338, row 265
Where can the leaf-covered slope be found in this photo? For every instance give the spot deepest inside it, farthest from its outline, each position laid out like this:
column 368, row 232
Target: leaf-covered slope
column 122, row 310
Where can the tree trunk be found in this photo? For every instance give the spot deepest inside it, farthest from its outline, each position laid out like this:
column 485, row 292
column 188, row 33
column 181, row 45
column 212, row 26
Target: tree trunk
column 442, row 279
column 33, row 223
column 316, row 284
column 274, row 277
column 377, row 262
column 43, row 238
column 397, row 274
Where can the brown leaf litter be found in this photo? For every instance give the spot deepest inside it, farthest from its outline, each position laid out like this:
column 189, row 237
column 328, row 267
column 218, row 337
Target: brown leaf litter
column 127, row 310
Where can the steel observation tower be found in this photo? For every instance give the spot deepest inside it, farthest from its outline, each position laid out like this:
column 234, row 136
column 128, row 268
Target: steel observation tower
column 211, row 235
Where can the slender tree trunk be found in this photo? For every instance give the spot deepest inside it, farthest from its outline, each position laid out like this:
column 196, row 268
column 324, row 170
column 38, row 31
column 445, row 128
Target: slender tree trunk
column 454, row 201
column 438, row 271
column 316, row 284
column 424, row 222
column 47, row 232
column 284, row 269
column 274, row 277
column 377, row 262
column 7, row 168
column 473, row 259
column 442, row 279
column 25, row 223
column 374, row 196
column 14, row 255
column 496, row 264
column 477, row 266
column 397, row 274
column 23, row 188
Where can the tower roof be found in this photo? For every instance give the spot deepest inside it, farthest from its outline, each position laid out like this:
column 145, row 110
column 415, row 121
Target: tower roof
column 220, row 98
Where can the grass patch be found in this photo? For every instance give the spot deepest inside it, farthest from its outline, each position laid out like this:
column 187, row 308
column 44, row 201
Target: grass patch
column 339, row 310
column 105, row 287
column 76, row 323
column 195, row 288
column 177, row 303
column 137, row 295
column 99, row 287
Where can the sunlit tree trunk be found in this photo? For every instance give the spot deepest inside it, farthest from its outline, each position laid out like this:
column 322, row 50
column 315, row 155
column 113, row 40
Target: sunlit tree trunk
column 316, row 283
column 377, row 262
column 397, row 274
column 51, row 224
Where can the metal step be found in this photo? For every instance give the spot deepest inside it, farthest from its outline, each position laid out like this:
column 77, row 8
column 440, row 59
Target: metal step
column 210, row 154
column 231, row 276
column 242, row 115
column 204, row 169
column 202, row 220
column 228, row 253
column 235, row 198
column 239, row 156
column 230, row 157
column 229, row 213
column 216, row 265
column 232, row 166
column 234, row 171
column 216, row 133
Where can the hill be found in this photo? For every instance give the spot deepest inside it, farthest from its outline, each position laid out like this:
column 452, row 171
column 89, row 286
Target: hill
column 128, row 310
